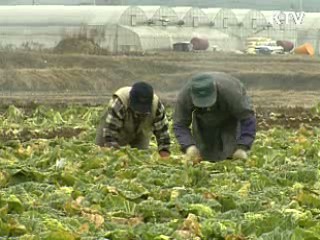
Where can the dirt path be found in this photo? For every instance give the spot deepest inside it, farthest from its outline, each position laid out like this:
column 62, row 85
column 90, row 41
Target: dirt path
column 43, row 78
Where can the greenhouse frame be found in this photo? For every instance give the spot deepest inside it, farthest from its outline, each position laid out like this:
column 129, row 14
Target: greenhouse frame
column 122, row 39
column 222, row 19
column 160, row 15
column 309, row 31
column 251, row 22
column 147, row 28
column 191, row 17
column 284, row 31
column 48, row 25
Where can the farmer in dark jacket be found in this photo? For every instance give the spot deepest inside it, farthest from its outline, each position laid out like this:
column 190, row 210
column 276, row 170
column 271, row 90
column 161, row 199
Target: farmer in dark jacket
column 223, row 121
column 133, row 116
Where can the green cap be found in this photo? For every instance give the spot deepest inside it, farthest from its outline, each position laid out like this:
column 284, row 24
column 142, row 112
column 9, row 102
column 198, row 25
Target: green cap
column 203, row 90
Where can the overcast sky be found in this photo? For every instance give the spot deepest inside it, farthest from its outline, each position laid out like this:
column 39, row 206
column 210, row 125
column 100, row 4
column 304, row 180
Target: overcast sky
column 307, row 5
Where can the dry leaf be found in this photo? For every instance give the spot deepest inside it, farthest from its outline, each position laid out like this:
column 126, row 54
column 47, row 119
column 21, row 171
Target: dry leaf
column 191, row 224
column 97, row 219
column 79, row 200
column 84, row 228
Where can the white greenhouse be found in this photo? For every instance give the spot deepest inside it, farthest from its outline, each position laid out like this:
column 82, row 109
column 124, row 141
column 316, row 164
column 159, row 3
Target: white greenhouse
column 48, row 25
column 160, row 15
column 309, row 31
column 137, row 39
column 222, row 19
column 278, row 27
column 191, row 17
column 251, row 22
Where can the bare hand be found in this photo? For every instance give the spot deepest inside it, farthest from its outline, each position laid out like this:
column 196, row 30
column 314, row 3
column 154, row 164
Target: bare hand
column 164, row 154
column 193, row 154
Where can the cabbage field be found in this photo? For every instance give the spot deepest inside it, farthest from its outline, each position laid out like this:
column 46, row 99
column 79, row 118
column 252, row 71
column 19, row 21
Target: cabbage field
column 56, row 184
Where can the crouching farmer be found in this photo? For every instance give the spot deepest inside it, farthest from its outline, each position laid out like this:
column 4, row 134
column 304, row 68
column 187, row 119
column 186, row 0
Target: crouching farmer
column 133, row 116
column 222, row 120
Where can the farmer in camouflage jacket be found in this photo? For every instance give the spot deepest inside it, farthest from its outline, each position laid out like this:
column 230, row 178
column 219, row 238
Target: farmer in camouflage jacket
column 223, row 121
column 133, row 115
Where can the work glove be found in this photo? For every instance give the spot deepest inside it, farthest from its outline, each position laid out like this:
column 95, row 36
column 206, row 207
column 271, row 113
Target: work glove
column 193, row 155
column 164, row 154
column 240, row 154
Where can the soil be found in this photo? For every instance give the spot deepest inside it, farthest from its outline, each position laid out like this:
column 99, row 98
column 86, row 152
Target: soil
column 283, row 81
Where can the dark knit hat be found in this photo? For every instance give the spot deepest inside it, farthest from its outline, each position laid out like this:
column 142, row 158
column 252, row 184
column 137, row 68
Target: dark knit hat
column 141, row 97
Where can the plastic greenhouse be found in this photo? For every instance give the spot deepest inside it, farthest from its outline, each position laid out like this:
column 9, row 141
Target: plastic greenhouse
column 191, row 17
column 309, row 31
column 47, row 25
column 160, row 15
column 142, row 38
column 251, row 22
column 286, row 30
column 222, row 19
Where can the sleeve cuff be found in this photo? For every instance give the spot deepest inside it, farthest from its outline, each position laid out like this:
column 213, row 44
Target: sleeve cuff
column 243, row 147
column 164, row 150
